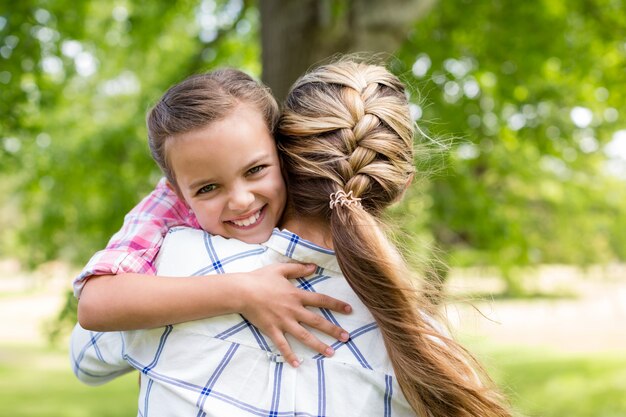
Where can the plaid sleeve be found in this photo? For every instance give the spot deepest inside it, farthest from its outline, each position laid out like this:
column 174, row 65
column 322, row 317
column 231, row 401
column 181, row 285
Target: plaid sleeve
column 97, row 357
column 135, row 246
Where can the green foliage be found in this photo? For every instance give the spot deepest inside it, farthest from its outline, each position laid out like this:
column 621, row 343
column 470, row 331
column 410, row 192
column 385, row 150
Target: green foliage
column 79, row 80
column 67, row 317
column 515, row 182
column 526, row 96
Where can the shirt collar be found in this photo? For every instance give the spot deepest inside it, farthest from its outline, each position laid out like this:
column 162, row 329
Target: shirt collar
column 293, row 246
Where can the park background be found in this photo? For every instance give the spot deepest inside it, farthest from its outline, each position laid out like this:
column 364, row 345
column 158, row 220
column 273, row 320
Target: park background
column 522, row 213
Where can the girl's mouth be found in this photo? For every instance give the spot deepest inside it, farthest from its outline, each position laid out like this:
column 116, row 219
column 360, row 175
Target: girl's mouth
column 249, row 221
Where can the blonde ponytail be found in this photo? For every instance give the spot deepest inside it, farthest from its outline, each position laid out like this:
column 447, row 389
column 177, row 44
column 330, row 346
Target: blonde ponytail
column 346, row 129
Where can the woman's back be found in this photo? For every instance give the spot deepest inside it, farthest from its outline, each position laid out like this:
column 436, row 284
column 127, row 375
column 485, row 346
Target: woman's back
column 224, row 366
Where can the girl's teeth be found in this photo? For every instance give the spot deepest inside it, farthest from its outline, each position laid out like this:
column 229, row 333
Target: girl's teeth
column 250, row 220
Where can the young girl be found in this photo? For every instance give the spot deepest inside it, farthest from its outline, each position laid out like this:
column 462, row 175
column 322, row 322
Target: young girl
column 238, row 194
column 345, row 142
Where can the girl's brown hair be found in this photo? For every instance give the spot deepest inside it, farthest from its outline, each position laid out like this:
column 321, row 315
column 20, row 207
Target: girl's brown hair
column 346, row 127
column 199, row 101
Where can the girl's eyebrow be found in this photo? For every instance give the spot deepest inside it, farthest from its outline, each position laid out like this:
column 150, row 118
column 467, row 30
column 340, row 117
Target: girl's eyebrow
column 258, row 159
column 200, row 182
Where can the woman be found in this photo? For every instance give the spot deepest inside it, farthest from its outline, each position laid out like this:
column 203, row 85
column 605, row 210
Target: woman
column 345, row 139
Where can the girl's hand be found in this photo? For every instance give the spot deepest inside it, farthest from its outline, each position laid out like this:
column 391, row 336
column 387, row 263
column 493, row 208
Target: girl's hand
column 275, row 306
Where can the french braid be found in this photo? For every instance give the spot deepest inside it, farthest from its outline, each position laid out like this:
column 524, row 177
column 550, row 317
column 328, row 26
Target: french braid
column 346, row 127
column 359, row 119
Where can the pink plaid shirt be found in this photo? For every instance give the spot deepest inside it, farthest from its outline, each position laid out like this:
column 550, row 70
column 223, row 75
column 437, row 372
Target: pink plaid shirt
column 135, row 246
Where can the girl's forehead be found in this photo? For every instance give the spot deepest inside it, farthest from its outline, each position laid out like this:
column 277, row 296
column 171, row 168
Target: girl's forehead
column 228, row 145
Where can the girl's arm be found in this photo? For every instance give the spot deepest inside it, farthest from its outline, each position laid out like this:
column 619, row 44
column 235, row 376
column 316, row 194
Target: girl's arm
column 264, row 297
column 118, row 289
column 135, row 246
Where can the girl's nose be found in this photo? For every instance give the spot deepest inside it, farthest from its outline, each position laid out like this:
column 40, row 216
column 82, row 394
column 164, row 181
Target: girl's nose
column 240, row 199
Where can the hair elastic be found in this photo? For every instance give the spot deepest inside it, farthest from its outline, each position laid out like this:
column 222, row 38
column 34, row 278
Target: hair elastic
column 343, row 199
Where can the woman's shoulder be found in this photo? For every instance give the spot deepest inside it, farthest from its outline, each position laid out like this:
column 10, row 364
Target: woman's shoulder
column 189, row 251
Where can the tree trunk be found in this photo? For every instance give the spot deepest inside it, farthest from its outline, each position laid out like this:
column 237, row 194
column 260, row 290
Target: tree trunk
column 295, row 34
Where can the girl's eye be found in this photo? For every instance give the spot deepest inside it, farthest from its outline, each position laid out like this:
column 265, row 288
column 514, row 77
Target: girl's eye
column 256, row 169
column 207, row 189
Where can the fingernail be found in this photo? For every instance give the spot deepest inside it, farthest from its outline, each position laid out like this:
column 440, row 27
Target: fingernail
column 347, row 309
column 295, row 364
column 329, row 351
column 344, row 336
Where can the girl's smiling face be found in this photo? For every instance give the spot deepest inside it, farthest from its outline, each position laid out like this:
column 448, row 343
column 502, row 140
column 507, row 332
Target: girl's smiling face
column 229, row 174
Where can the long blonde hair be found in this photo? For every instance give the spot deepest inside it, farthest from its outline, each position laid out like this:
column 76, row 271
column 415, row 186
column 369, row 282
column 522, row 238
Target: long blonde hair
column 346, row 127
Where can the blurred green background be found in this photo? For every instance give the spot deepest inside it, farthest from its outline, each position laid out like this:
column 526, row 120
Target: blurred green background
column 522, row 105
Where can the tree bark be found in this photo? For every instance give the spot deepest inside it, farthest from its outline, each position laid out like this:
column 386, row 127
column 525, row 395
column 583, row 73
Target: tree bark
column 296, row 34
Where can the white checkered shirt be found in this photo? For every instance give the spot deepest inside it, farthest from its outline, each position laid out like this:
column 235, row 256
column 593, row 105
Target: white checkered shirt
column 223, row 366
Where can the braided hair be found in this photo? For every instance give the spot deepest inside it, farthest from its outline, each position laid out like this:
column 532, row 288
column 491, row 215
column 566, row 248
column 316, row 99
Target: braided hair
column 346, row 128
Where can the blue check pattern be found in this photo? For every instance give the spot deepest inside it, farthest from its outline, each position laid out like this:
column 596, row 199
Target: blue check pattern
column 224, row 366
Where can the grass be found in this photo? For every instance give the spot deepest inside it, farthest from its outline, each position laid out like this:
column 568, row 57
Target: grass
column 544, row 383
column 39, row 382
column 505, row 296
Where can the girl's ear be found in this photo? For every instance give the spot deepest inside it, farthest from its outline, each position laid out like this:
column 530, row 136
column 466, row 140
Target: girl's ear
column 176, row 191
column 171, row 186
